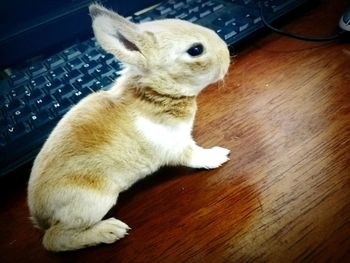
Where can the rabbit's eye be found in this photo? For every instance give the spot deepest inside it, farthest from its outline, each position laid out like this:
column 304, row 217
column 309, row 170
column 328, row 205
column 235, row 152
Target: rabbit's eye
column 196, row 50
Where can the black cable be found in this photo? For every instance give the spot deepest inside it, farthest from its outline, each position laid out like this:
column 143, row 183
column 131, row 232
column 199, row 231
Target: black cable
column 297, row 36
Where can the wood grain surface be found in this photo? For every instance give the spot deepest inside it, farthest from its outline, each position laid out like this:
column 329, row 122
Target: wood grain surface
column 284, row 111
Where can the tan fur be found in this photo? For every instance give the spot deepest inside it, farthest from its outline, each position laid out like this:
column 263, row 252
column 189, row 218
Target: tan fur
column 163, row 105
column 113, row 138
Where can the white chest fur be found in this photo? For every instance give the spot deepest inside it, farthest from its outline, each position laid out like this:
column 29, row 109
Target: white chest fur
column 169, row 141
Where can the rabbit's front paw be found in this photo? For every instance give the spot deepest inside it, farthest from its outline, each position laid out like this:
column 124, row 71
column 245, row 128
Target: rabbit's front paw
column 209, row 158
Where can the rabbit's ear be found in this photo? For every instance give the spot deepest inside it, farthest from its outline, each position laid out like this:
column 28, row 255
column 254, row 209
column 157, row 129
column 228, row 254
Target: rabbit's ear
column 119, row 36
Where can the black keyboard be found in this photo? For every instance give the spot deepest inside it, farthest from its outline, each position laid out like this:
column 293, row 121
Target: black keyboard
column 34, row 97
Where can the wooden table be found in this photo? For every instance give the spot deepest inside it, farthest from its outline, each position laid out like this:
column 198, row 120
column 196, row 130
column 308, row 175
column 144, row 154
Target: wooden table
column 284, row 111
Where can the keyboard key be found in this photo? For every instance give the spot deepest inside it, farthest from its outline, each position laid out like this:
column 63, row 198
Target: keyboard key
column 44, row 102
column 193, row 9
column 192, row 18
column 116, row 65
column 16, row 131
column 82, row 47
column 76, row 63
column 64, row 92
column 39, row 81
column 91, row 43
column 13, row 105
column 18, row 78
column 3, row 100
column 109, row 58
column 78, row 95
column 61, row 107
column 32, row 95
column 37, row 69
column 224, row 20
column 54, row 61
column 177, row 5
column 90, row 67
column 163, row 10
column 71, row 53
column 19, row 91
column 51, row 87
column 203, row 12
column 254, row 18
column 72, row 76
column 104, row 84
column 278, row 5
column 57, row 73
column 84, row 81
column 142, row 18
column 104, row 71
column 180, row 14
column 93, row 55
column 226, row 33
column 39, row 119
column 248, row 2
column 242, row 24
column 14, row 93
column 3, row 106
column 217, row 7
column 21, row 114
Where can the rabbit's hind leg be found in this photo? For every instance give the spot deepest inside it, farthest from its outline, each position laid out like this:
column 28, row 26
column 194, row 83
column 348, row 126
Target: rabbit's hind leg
column 61, row 238
column 76, row 220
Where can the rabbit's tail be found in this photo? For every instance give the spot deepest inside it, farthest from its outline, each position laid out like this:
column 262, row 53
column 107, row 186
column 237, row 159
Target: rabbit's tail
column 60, row 238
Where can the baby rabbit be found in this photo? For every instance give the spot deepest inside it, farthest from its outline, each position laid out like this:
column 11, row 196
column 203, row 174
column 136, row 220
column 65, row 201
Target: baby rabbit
column 111, row 139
